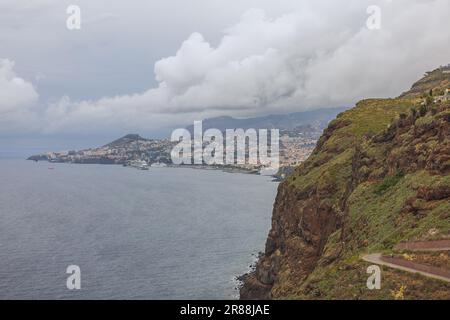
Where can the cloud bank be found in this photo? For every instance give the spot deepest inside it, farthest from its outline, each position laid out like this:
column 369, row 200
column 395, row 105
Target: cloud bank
column 17, row 98
column 321, row 56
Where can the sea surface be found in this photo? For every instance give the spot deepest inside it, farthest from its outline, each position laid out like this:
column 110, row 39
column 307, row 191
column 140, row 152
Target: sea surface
column 166, row 233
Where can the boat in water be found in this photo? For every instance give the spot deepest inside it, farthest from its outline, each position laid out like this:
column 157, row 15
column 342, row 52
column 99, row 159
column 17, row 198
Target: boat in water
column 158, row 165
column 138, row 164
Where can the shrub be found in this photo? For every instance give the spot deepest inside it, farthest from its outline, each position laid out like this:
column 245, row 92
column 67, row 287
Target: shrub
column 422, row 110
column 388, row 183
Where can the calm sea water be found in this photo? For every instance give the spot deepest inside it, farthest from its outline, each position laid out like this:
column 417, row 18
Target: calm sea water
column 166, row 233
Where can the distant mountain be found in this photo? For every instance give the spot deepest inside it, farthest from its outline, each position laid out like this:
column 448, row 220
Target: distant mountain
column 120, row 151
column 303, row 128
column 129, row 138
column 317, row 119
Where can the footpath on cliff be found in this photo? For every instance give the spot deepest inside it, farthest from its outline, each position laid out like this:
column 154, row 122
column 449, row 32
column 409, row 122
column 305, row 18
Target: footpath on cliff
column 403, row 264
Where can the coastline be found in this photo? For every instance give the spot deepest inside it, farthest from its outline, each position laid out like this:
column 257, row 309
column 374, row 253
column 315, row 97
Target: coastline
column 224, row 168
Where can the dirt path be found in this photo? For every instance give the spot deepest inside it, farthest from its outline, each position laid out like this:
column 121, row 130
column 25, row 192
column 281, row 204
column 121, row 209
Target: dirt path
column 413, row 267
column 409, row 266
column 437, row 245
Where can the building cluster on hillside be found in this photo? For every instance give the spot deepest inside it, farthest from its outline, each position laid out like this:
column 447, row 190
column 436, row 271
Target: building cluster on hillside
column 443, row 98
column 149, row 150
column 446, row 69
column 294, row 148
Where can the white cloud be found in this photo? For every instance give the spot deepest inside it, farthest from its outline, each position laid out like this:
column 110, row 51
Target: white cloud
column 17, row 98
column 16, row 94
column 307, row 60
column 320, row 56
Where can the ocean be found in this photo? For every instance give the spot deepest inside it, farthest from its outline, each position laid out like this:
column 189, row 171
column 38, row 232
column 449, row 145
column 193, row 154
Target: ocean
column 166, row 233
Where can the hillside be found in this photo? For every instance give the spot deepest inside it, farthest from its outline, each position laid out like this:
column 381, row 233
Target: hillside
column 315, row 121
column 378, row 176
column 299, row 133
column 121, row 151
column 127, row 139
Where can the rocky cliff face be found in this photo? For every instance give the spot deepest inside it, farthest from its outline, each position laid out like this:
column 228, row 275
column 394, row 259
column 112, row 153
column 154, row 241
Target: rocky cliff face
column 379, row 175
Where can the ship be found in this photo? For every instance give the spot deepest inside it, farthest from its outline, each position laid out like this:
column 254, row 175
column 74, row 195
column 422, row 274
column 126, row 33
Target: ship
column 158, row 165
column 138, row 164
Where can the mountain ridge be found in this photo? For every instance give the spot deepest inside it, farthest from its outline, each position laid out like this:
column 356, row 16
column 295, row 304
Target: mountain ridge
column 284, row 122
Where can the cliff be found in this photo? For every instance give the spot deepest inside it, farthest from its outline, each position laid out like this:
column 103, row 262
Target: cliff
column 378, row 176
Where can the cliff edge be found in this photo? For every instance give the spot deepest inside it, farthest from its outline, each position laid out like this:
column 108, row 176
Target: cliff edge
column 379, row 176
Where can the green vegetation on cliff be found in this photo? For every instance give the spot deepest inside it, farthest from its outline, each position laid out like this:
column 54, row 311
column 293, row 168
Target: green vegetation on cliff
column 378, row 176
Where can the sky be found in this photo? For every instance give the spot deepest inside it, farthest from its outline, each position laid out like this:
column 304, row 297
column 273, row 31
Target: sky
column 150, row 66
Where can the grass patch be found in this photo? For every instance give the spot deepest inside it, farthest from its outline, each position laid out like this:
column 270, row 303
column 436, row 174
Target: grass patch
column 388, row 183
